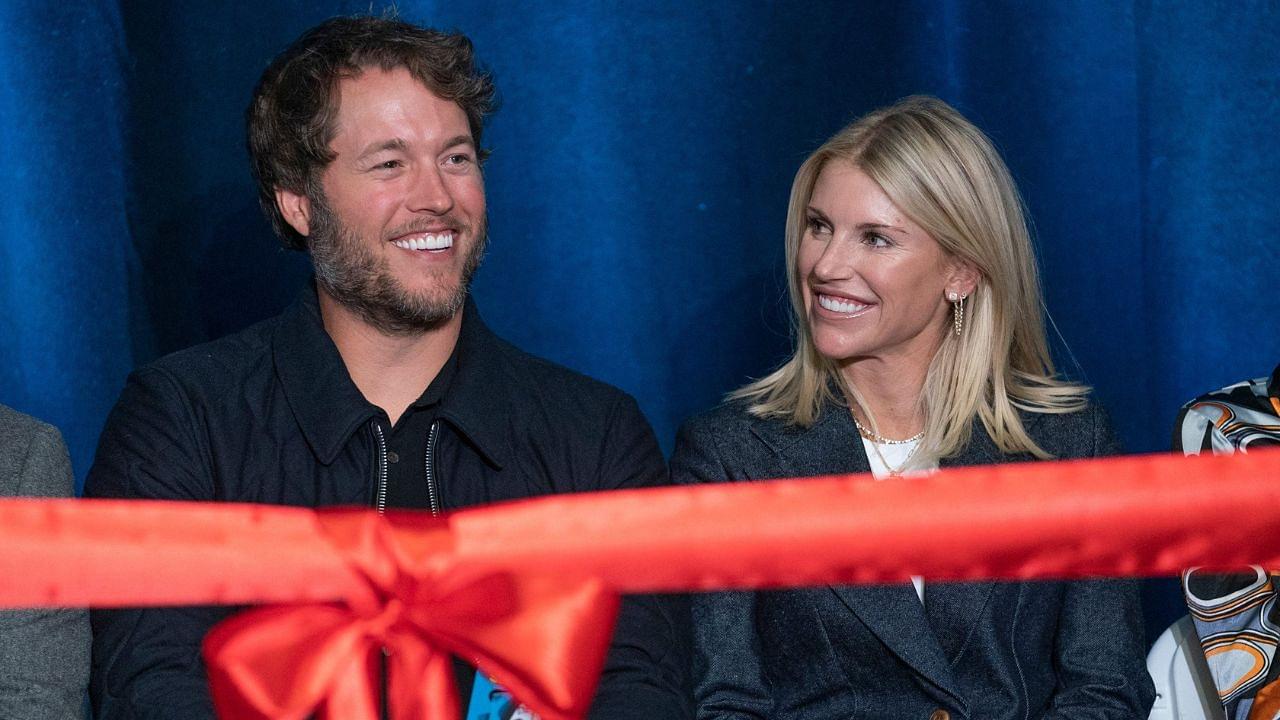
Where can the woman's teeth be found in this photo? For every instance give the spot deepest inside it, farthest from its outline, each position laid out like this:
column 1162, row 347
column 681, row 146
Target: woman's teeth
column 840, row 305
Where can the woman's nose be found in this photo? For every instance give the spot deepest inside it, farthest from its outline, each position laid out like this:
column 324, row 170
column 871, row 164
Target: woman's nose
column 837, row 261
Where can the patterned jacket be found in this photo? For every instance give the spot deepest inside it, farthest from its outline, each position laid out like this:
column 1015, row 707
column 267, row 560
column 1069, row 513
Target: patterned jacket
column 1235, row 615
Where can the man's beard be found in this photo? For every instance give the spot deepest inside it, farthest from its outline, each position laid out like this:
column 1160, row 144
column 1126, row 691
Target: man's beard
column 351, row 273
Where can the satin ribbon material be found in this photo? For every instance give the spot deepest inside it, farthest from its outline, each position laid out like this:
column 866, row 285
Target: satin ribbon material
column 420, row 607
column 525, row 590
column 113, row 553
column 1151, row 515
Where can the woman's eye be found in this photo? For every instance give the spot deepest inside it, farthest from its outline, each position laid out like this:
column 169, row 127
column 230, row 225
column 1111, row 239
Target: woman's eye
column 877, row 241
column 816, row 226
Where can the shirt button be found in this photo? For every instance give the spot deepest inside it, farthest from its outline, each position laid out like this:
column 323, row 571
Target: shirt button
column 392, row 457
column 939, row 714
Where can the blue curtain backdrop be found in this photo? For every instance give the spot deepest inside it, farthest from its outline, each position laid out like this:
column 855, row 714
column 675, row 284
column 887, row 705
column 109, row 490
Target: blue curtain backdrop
column 637, row 189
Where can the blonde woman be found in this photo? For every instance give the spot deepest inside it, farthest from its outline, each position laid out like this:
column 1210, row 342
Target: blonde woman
column 919, row 344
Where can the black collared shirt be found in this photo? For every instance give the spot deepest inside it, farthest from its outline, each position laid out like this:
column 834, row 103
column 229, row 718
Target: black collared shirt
column 407, row 481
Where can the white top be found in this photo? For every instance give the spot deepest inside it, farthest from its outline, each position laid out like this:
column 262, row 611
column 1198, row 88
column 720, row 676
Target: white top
column 896, row 455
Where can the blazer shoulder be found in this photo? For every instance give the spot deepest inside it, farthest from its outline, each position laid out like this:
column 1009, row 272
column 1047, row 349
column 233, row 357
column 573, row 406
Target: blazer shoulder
column 729, row 419
column 728, row 434
column 1084, row 433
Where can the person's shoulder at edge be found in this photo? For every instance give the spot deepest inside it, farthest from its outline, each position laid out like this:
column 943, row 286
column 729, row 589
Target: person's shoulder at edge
column 21, row 438
column 44, row 653
column 21, row 425
column 1198, row 425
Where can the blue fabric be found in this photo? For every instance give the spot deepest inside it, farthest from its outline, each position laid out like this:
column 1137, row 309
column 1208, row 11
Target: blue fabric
column 639, row 180
column 65, row 285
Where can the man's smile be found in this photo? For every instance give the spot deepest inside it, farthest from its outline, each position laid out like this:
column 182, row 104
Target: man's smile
column 434, row 242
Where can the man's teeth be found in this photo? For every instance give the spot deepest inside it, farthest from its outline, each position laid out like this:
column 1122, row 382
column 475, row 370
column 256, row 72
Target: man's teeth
column 841, row 306
column 426, row 242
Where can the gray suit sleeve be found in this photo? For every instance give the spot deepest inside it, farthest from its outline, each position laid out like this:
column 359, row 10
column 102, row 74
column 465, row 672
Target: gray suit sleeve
column 728, row 682
column 44, row 654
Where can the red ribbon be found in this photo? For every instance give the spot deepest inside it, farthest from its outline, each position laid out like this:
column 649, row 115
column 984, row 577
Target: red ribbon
column 286, row 662
column 524, row 589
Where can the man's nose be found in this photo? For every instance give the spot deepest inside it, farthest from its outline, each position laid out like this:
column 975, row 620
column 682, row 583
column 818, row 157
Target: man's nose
column 430, row 193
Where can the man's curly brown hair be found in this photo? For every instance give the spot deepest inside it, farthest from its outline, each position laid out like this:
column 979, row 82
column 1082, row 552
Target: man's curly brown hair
column 290, row 119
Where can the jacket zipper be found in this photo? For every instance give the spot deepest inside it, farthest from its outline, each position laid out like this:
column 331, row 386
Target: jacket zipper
column 433, row 492
column 380, row 499
column 380, row 504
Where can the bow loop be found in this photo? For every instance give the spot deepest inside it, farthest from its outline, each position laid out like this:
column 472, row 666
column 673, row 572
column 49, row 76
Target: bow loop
column 542, row 638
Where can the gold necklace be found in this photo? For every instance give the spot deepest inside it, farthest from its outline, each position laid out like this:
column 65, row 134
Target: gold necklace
column 877, row 440
column 874, row 436
column 894, row 472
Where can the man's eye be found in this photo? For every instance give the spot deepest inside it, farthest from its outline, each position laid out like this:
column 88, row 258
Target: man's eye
column 459, row 159
column 388, row 165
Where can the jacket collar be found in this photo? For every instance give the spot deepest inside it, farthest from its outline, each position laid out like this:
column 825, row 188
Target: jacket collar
column 329, row 408
column 831, row 446
column 483, row 386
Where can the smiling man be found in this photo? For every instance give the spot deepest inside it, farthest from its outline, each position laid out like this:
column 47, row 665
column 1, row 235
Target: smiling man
column 381, row 386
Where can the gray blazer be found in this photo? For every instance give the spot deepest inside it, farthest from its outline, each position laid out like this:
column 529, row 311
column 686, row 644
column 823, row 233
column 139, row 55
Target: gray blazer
column 44, row 654
column 983, row 650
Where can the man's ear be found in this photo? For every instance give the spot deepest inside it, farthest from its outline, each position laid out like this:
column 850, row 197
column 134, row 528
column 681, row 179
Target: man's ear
column 296, row 210
column 964, row 277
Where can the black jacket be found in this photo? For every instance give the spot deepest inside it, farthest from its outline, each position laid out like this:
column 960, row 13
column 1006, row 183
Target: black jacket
column 270, row 415
column 981, row 650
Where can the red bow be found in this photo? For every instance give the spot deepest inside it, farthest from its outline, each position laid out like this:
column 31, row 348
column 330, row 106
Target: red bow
column 543, row 639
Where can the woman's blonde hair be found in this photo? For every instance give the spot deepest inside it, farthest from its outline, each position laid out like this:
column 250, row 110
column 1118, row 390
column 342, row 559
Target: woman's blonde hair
column 943, row 173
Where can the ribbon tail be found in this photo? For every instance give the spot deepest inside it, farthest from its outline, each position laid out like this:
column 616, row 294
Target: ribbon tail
column 421, row 684
column 354, row 692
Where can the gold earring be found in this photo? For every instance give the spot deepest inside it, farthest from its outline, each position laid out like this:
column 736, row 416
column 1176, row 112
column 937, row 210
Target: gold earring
column 957, row 310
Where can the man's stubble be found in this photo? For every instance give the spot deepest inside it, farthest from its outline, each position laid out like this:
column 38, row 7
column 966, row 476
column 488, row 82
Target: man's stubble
column 352, row 274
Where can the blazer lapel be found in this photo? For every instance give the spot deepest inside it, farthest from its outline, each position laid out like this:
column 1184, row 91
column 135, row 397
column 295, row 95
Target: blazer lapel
column 955, row 609
column 892, row 612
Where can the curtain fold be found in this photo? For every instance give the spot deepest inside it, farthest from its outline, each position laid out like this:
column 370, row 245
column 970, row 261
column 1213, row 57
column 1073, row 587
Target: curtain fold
column 65, row 296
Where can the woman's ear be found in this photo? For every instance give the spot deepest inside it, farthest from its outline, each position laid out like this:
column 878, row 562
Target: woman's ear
column 963, row 278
